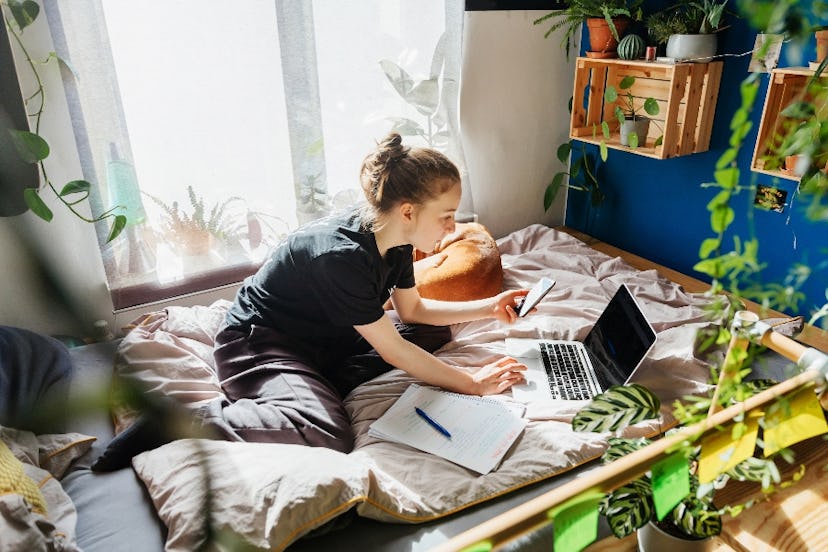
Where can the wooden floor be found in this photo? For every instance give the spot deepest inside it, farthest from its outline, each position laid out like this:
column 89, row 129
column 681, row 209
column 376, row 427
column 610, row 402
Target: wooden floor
column 794, row 519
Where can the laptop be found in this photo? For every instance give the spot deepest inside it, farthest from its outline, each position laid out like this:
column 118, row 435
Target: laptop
column 573, row 370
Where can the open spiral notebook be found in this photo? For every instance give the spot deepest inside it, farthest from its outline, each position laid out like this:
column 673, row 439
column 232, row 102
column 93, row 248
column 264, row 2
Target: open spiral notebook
column 480, row 429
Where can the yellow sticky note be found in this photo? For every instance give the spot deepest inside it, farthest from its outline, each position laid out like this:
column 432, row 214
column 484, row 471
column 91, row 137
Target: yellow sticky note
column 720, row 451
column 793, row 419
column 575, row 522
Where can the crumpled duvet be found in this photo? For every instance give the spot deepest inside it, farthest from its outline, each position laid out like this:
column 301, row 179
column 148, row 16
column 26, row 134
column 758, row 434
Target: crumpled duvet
column 171, row 352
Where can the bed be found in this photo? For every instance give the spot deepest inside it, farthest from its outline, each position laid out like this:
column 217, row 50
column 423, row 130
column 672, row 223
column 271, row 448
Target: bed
column 381, row 496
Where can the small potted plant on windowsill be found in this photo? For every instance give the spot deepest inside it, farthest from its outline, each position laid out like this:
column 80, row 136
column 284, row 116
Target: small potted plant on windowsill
column 606, row 20
column 688, row 29
column 197, row 230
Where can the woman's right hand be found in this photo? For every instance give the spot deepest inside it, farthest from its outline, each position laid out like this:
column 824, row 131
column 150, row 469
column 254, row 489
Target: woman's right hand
column 498, row 376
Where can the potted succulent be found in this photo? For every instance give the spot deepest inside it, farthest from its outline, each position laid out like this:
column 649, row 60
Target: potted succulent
column 606, row 20
column 688, row 29
column 634, row 127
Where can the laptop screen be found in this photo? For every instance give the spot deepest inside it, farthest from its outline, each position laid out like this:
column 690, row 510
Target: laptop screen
column 620, row 339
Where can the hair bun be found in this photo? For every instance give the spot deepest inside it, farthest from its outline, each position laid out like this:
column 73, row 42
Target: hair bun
column 390, row 149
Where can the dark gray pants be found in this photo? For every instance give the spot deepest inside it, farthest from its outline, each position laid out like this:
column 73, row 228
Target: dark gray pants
column 282, row 390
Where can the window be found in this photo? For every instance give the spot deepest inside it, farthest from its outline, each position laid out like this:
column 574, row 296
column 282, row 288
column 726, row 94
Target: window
column 221, row 126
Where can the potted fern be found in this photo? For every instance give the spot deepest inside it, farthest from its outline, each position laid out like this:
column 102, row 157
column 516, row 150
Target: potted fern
column 693, row 523
column 194, row 231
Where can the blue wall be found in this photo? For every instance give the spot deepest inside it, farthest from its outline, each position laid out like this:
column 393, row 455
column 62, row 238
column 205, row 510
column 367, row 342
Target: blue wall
column 657, row 208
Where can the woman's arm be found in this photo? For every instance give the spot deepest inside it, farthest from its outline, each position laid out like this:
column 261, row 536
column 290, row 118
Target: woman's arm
column 413, row 309
column 491, row 379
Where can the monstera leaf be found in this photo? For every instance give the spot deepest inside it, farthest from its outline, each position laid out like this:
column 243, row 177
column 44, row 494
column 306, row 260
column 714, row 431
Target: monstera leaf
column 620, row 406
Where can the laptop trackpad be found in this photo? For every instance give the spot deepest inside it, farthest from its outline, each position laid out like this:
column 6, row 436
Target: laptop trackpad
column 522, row 347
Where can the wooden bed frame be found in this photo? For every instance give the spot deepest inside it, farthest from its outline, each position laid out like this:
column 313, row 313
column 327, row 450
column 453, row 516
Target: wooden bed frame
column 789, row 520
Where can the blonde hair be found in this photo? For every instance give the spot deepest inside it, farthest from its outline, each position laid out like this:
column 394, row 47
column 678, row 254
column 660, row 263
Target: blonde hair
column 395, row 173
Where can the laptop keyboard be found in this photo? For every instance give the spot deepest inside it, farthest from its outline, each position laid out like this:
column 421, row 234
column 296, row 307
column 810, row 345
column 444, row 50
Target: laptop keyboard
column 567, row 376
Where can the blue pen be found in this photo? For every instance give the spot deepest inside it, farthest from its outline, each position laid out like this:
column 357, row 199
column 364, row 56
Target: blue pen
column 432, row 422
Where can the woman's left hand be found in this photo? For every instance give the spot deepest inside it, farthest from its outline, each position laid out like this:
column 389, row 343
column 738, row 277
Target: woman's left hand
column 505, row 305
column 498, row 376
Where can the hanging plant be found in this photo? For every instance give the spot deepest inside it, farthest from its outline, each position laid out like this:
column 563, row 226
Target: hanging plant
column 33, row 148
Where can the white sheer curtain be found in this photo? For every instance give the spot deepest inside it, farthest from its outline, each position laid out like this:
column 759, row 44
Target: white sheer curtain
column 220, row 126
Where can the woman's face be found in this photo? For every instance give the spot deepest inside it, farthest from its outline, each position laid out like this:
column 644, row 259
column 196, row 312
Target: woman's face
column 434, row 219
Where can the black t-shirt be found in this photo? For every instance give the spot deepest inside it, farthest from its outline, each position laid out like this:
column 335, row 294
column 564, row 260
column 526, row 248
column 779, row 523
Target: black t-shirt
column 322, row 280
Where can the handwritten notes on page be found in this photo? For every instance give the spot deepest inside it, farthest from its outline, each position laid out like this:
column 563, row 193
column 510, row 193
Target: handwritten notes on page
column 482, row 428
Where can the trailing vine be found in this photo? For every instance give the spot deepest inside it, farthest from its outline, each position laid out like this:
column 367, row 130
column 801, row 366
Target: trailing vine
column 32, row 147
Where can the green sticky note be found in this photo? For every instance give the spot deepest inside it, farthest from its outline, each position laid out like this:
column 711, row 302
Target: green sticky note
column 575, row 522
column 797, row 417
column 482, row 546
column 671, row 483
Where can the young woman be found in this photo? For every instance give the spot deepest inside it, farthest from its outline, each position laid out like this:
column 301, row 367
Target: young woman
column 309, row 326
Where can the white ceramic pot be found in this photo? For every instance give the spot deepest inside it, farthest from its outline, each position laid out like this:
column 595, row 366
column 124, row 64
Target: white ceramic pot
column 652, row 539
column 692, row 47
column 640, row 126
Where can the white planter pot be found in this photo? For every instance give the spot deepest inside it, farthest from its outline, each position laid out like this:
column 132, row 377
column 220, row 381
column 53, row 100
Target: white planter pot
column 652, row 539
column 692, row 47
column 640, row 126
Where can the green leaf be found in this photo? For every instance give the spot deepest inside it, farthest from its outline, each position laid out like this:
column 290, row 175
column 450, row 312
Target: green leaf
column 626, row 82
column 618, row 407
column 425, row 96
column 605, row 130
column 632, row 138
column 727, row 178
column 696, row 518
column 610, row 94
column 651, row 106
column 604, row 151
column 708, row 246
column 36, row 204
column 30, row 146
column 24, row 12
column 711, row 267
column 629, row 507
column 799, row 110
column 619, row 447
column 727, row 158
column 563, row 152
column 759, row 470
column 722, row 198
column 75, row 187
column 398, row 77
column 659, row 141
column 117, row 226
column 406, row 127
column 552, row 190
column 721, row 217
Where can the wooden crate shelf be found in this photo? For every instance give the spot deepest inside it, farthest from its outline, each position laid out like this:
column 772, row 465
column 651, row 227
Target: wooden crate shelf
column 686, row 94
column 786, row 84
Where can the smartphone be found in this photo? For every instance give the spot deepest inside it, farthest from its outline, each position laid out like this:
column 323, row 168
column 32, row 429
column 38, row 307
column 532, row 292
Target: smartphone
column 537, row 293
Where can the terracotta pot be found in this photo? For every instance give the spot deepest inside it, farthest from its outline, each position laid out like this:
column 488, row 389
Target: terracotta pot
column 791, row 162
column 821, row 45
column 601, row 41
